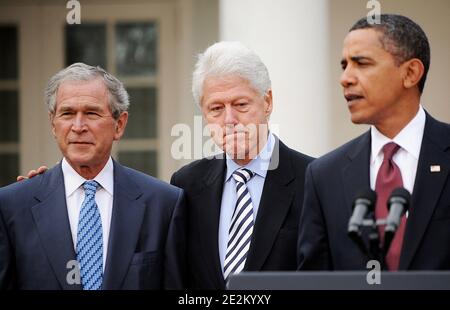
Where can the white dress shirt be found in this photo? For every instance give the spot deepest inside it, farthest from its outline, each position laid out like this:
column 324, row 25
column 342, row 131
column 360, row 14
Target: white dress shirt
column 407, row 157
column 73, row 184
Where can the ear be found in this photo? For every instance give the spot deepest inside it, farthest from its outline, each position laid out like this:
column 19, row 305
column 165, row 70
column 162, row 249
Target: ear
column 51, row 118
column 268, row 106
column 121, row 123
column 414, row 70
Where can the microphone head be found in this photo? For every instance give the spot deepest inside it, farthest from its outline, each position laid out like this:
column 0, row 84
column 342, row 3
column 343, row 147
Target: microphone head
column 366, row 196
column 400, row 195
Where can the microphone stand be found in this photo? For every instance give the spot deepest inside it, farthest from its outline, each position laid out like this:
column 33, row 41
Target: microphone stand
column 374, row 243
column 397, row 204
column 375, row 250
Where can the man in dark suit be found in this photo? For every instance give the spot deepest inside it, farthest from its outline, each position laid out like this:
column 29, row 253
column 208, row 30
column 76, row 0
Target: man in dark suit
column 90, row 223
column 243, row 205
column 384, row 70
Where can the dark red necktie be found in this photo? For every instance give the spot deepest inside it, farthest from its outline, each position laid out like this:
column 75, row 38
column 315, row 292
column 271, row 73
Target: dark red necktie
column 389, row 178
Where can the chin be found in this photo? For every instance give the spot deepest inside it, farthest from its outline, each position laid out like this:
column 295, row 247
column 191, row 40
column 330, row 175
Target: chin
column 357, row 121
column 239, row 156
column 79, row 160
column 357, row 118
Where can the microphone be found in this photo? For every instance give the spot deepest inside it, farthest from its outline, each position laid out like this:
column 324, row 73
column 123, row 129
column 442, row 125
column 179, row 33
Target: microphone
column 398, row 204
column 363, row 204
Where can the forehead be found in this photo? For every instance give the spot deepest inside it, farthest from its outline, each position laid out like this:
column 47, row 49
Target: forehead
column 362, row 41
column 76, row 92
column 229, row 85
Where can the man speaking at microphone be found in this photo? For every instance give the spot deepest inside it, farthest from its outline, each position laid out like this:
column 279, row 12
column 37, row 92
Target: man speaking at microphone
column 384, row 71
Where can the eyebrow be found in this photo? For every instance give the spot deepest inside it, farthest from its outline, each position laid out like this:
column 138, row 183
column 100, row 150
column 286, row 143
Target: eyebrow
column 355, row 59
column 228, row 99
column 65, row 108
column 359, row 58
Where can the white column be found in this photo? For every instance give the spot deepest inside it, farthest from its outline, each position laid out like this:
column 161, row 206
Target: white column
column 291, row 37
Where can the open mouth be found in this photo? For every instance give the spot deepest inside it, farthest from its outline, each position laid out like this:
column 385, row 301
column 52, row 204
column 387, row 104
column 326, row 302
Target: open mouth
column 352, row 97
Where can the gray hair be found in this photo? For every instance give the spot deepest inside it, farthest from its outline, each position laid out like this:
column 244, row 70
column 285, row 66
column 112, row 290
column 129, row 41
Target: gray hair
column 118, row 96
column 230, row 58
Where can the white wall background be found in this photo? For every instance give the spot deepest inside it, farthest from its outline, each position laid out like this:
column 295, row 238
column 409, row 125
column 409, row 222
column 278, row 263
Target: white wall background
column 292, row 38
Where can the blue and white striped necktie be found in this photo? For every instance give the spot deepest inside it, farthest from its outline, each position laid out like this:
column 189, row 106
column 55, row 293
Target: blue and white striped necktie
column 90, row 240
column 241, row 228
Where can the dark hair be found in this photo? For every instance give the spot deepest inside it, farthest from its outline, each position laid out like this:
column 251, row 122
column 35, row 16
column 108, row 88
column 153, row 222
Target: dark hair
column 402, row 38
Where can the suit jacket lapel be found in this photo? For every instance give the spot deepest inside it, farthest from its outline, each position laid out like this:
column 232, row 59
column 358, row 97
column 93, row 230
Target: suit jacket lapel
column 276, row 194
column 210, row 202
column 126, row 221
column 52, row 223
column 356, row 174
column 427, row 188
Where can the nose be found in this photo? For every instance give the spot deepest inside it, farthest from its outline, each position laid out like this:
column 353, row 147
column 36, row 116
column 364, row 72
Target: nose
column 230, row 116
column 347, row 77
column 79, row 123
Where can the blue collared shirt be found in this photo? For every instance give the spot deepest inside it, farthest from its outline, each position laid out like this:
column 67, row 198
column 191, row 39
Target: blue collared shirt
column 259, row 165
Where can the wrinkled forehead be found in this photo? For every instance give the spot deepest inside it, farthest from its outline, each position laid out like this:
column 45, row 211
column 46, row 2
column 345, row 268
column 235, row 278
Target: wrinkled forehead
column 92, row 91
column 215, row 87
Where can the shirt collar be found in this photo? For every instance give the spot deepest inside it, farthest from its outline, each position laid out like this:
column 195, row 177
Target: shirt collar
column 259, row 165
column 406, row 138
column 72, row 180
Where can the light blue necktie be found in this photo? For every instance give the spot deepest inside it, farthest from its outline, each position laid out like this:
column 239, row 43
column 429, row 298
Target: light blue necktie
column 241, row 228
column 90, row 240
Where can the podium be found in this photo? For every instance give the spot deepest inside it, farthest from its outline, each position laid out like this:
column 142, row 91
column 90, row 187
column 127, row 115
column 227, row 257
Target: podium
column 340, row 280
